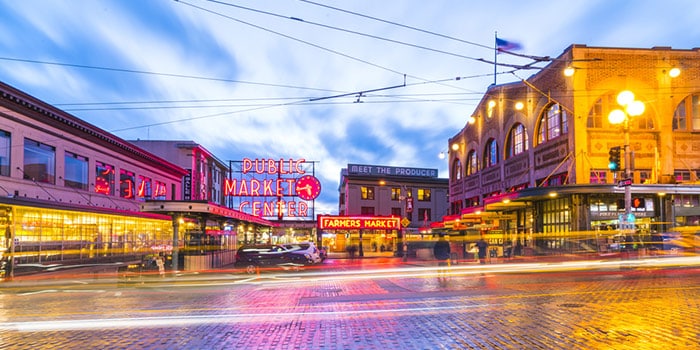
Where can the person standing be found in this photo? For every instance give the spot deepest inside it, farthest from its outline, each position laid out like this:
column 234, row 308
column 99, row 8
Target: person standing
column 161, row 265
column 482, row 245
column 441, row 251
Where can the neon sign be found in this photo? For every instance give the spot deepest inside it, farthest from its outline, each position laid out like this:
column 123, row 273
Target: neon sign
column 358, row 222
column 285, row 180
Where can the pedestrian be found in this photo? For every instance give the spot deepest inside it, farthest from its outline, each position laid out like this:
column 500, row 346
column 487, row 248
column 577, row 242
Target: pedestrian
column 441, row 251
column 482, row 245
column 161, row 265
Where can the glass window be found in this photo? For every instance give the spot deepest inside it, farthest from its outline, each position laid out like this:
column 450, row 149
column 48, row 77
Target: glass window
column 76, row 171
column 396, row 211
column 424, row 214
column 160, row 191
column 598, row 176
column 126, row 184
column 144, row 190
column 367, row 192
column 104, row 178
column 490, row 153
column 687, row 114
column 367, row 210
column 395, row 194
column 39, row 162
column 5, row 144
column 472, row 163
column 424, row 194
column 517, row 140
column 457, row 169
column 552, row 124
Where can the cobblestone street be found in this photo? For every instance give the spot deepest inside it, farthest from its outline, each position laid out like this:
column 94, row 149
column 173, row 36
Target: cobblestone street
column 410, row 309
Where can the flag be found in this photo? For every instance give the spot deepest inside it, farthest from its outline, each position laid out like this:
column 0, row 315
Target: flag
column 505, row 45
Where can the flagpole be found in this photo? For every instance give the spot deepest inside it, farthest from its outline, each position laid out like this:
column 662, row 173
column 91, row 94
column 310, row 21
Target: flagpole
column 495, row 55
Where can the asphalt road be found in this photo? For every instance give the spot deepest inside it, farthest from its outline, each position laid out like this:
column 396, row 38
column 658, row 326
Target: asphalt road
column 590, row 305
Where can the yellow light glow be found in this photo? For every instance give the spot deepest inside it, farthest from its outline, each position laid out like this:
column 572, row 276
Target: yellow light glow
column 674, row 72
column 519, row 105
column 635, row 108
column 569, row 71
column 471, row 119
column 616, row 116
column 455, row 146
column 625, row 97
column 492, row 104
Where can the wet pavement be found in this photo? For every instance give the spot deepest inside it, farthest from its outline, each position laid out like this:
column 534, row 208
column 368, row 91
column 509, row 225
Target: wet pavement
column 371, row 303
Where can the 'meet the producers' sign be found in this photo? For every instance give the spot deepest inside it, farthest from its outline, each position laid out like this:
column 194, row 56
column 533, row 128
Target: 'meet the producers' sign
column 379, row 170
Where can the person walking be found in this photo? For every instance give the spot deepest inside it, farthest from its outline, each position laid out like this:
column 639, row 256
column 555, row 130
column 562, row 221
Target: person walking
column 441, row 251
column 482, row 245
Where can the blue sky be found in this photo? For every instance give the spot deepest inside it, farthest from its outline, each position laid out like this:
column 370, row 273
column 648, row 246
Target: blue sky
column 250, row 80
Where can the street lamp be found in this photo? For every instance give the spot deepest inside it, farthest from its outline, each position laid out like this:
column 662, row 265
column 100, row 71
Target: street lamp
column 630, row 108
column 403, row 243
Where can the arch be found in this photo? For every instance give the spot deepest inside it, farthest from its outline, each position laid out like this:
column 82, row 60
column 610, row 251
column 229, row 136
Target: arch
column 472, row 162
column 456, row 169
column 686, row 116
column 598, row 114
column 517, row 140
column 552, row 123
column 490, row 154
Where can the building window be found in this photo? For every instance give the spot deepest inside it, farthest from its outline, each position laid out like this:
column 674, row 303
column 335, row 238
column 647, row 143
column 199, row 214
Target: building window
column 39, row 162
column 685, row 176
column 367, row 192
column 472, row 163
column 457, row 169
column 76, row 171
column 598, row 176
column 490, row 153
column 424, row 214
column 517, row 141
column 366, row 210
column 686, row 200
column 396, row 212
column 424, row 194
column 104, row 178
column 5, row 144
column 395, row 194
column 687, row 114
column 160, row 192
column 552, row 124
column 144, row 190
column 126, row 184
column 645, row 176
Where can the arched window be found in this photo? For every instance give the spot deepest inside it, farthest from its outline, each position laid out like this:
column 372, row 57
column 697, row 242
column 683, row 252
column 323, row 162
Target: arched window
column 552, row 124
column 687, row 114
column 457, row 169
column 516, row 142
column 472, row 163
column 598, row 115
column 490, row 153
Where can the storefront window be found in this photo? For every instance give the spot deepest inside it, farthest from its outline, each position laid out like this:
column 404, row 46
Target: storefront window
column 160, row 192
column 126, row 184
column 39, row 162
column 104, row 178
column 144, row 190
column 76, row 171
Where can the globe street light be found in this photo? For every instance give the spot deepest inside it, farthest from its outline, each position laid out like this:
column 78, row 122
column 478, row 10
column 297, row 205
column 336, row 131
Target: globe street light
column 630, row 108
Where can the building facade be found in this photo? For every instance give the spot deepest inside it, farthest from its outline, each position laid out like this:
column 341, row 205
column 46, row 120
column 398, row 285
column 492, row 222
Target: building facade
column 205, row 172
column 532, row 162
column 72, row 193
column 416, row 195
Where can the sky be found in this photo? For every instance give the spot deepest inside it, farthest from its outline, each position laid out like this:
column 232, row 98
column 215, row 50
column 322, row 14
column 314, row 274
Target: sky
column 335, row 82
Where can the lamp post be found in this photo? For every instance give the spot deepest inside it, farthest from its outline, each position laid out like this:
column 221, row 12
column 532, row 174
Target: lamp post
column 403, row 242
column 630, row 108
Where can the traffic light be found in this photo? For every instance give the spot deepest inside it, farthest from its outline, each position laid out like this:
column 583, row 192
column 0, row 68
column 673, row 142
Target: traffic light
column 614, row 158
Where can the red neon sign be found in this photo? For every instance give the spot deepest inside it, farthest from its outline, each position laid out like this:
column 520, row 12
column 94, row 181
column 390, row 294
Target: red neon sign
column 358, row 222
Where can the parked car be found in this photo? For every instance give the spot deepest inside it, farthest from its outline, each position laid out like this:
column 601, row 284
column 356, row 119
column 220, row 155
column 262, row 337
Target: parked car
column 253, row 257
column 308, row 249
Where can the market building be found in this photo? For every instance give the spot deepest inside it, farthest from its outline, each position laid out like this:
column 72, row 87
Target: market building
column 540, row 163
column 72, row 193
column 417, row 197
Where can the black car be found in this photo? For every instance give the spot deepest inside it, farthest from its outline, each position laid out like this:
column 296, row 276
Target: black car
column 253, row 257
